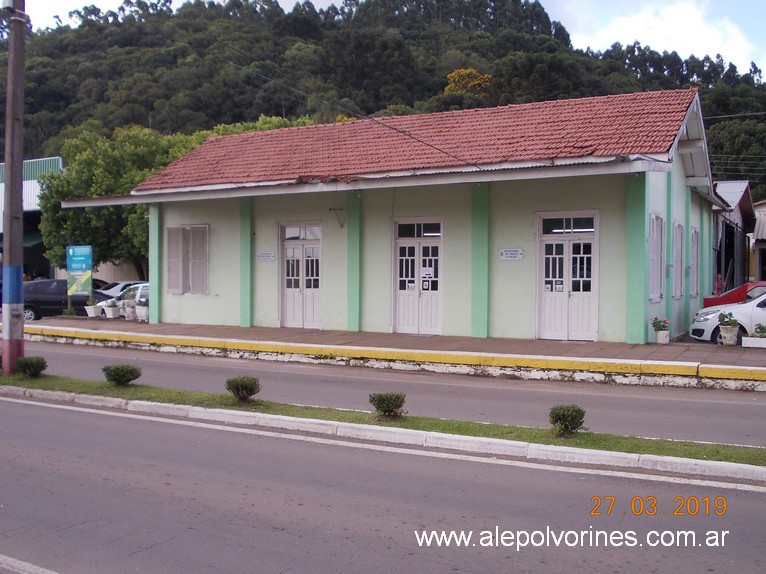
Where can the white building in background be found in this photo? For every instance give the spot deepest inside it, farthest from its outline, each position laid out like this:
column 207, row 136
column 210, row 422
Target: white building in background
column 35, row 263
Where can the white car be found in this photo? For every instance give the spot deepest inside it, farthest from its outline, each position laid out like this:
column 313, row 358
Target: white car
column 132, row 294
column 748, row 314
column 114, row 289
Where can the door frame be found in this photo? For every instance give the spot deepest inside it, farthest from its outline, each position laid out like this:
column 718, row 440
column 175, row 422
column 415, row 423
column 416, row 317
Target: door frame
column 281, row 262
column 394, row 265
column 567, row 237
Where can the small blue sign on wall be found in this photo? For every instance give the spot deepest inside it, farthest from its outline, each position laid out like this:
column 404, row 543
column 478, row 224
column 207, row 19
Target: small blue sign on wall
column 79, row 260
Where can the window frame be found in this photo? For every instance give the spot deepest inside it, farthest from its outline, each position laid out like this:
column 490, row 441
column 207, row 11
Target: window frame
column 656, row 257
column 694, row 264
column 678, row 260
column 188, row 259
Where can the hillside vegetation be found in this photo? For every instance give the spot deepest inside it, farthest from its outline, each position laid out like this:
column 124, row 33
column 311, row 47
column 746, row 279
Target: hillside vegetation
column 188, row 67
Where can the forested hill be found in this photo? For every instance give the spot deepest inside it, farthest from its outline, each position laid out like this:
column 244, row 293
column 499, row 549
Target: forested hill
column 193, row 65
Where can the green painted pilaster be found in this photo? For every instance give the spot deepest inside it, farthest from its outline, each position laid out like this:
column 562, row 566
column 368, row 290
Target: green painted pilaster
column 354, row 250
column 637, row 230
column 155, row 261
column 246, row 262
column 480, row 260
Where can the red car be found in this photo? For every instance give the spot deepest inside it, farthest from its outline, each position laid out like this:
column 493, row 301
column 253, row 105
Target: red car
column 741, row 294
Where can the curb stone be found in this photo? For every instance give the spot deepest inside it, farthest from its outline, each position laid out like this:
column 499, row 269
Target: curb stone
column 478, row 445
column 525, row 367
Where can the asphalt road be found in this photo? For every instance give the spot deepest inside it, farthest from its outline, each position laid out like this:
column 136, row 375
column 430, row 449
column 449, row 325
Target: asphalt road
column 659, row 412
column 88, row 492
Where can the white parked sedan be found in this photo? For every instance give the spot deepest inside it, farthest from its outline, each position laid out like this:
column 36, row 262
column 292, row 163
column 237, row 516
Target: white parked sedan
column 748, row 314
column 131, row 295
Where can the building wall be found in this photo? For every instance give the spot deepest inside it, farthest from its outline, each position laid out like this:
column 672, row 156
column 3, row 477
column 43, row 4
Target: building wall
column 513, row 284
column 221, row 305
column 326, row 210
column 380, row 210
column 511, row 309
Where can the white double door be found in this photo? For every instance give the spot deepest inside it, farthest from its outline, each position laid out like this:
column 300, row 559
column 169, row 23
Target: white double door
column 567, row 290
column 301, row 285
column 418, row 287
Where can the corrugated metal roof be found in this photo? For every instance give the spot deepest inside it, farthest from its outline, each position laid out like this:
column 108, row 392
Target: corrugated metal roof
column 643, row 123
column 34, row 168
column 731, row 191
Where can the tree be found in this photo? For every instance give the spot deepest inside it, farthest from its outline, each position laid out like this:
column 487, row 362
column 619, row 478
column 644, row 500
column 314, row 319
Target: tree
column 468, row 81
column 738, row 152
column 100, row 166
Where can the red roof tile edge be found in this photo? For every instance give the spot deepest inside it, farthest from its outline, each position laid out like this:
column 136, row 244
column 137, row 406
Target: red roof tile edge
column 470, row 140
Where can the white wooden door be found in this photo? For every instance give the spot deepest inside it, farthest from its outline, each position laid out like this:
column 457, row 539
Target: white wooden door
column 567, row 303
column 301, row 282
column 418, row 287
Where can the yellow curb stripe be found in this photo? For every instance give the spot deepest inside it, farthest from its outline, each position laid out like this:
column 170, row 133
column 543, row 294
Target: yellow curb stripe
column 727, row 372
column 628, row 367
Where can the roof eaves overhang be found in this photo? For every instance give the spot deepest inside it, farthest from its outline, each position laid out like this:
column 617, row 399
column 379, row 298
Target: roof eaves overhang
column 690, row 144
column 516, row 171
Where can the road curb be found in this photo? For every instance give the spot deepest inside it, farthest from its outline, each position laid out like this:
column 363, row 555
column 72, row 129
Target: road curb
column 476, row 445
column 527, row 367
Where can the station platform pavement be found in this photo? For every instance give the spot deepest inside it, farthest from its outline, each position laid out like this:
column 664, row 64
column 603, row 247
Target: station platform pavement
column 682, row 362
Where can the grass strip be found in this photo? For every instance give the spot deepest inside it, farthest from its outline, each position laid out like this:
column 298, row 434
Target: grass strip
column 598, row 441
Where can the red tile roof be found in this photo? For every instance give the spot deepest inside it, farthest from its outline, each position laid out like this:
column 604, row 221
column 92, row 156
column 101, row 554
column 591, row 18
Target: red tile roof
column 639, row 123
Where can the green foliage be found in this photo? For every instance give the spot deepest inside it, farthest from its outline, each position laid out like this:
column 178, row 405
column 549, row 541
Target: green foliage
column 31, row 366
column 760, row 330
column 727, row 320
column 388, row 404
column 243, row 387
column 233, row 63
column 566, row 419
column 121, row 375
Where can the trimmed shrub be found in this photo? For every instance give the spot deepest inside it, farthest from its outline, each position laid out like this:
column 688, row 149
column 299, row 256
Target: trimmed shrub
column 567, row 419
column 243, row 387
column 31, row 366
column 388, row 404
column 121, row 375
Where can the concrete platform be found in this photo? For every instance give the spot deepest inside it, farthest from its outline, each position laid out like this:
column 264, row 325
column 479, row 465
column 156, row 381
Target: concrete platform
column 684, row 362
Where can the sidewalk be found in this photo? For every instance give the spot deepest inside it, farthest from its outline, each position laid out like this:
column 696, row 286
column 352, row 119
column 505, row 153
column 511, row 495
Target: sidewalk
column 682, row 363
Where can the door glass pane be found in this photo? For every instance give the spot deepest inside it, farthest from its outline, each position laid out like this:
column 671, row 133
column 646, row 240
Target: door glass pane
column 582, row 225
column 404, row 230
column 312, row 232
column 292, row 233
column 432, row 230
column 553, row 225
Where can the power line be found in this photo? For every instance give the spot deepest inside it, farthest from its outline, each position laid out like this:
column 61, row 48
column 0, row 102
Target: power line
column 741, row 115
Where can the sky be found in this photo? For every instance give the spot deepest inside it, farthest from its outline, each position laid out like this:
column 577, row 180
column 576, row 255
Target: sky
column 733, row 29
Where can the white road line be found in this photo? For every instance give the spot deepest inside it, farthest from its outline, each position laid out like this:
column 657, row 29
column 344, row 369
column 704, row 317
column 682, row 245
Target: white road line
column 407, row 451
column 22, row 567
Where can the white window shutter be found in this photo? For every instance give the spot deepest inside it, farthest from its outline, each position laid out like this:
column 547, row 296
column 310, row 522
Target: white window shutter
column 198, row 259
column 175, row 271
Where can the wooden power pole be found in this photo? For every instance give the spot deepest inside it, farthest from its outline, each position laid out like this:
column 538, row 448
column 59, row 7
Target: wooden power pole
column 13, row 213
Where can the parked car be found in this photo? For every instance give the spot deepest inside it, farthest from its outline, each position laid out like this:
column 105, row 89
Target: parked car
column 748, row 315
column 114, row 289
column 47, row 297
column 741, row 294
column 130, row 295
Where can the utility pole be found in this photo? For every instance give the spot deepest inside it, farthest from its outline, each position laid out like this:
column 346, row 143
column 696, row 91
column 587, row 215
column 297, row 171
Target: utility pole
column 13, row 224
